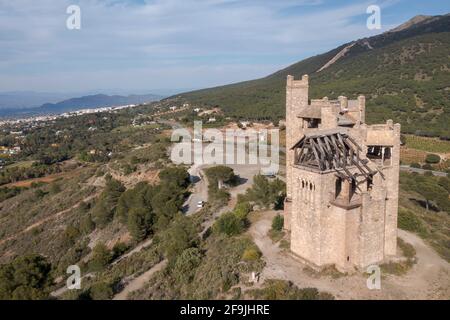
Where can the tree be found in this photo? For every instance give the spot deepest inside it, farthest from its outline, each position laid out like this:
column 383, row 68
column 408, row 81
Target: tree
column 180, row 235
column 166, row 203
column 138, row 197
column 139, row 223
column 106, row 205
column 101, row 256
column 220, row 174
column 25, row 278
column 175, row 175
column 265, row 192
column 242, row 210
column 229, row 224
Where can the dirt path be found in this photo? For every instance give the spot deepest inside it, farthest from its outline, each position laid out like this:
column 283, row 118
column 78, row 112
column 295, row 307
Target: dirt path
column 428, row 279
column 136, row 249
column 137, row 283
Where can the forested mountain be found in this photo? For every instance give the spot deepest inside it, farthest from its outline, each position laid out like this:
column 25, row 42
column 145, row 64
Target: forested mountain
column 404, row 73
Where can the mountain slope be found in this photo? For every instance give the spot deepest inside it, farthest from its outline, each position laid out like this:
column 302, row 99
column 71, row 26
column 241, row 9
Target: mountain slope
column 405, row 74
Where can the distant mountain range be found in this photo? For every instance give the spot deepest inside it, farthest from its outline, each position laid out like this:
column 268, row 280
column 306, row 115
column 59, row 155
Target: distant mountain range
column 404, row 73
column 72, row 104
column 30, row 99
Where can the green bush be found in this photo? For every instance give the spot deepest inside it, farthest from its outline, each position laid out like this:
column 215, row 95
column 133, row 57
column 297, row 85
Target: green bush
column 242, row 210
column 251, row 254
column 432, row 158
column 277, row 222
column 101, row 291
column 265, row 192
column 101, row 257
column 229, row 224
column 186, row 264
column 286, row 290
column 119, row 249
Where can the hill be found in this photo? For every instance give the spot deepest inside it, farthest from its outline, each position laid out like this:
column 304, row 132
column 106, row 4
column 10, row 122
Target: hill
column 404, row 73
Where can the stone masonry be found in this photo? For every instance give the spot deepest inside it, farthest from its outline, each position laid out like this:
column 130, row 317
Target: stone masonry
column 342, row 181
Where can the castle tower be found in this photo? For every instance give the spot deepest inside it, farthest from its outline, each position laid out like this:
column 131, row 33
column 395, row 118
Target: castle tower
column 342, row 181
column 296, row 100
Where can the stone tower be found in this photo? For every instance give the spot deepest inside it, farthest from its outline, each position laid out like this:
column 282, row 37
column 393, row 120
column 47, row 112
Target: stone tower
column 342, row 181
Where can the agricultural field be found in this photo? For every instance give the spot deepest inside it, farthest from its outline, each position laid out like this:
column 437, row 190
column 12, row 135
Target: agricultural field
column 408, row 156
column 434, row 145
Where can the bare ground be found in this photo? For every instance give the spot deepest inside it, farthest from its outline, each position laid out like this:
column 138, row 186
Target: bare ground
column 428, row 279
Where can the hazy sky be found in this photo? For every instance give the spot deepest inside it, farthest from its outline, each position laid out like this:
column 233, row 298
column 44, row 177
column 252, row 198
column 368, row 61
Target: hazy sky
column 143, row 45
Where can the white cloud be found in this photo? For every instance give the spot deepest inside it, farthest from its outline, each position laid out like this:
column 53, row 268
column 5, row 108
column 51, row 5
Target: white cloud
column 163, row 43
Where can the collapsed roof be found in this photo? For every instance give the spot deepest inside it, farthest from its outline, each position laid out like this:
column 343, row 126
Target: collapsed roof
column 333, row 150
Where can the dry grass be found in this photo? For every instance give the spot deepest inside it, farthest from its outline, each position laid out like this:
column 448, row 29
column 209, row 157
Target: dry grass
column 409, row 156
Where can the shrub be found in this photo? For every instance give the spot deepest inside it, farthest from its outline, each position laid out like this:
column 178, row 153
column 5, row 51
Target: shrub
column 277, row 222
column 101, row 256
column 119, row 249
column 55, row 188
column 186, row 264
column 265, row 192
column 180, row 235
column 407, row 220
column 229, row 224
column 86, row 224
column 286, row 290
column 70, row 235
column 242, row 210
column 101, row 291
column 415, row 165
column 432, row 158
column 251, row 254
column 407, row 249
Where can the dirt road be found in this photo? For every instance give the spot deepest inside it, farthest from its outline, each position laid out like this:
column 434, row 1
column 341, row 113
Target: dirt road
column 428, row 279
